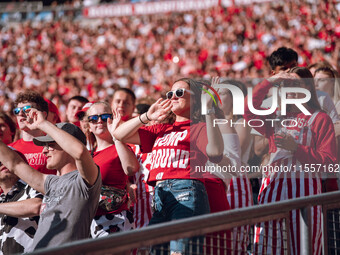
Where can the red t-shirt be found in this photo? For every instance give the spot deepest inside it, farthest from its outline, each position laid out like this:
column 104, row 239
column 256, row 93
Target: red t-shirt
column 111, row 171
column 34, row 155
column 173, row 155
column 110, row 167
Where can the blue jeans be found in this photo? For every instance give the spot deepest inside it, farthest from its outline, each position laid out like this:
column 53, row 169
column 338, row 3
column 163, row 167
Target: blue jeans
column 177, row 199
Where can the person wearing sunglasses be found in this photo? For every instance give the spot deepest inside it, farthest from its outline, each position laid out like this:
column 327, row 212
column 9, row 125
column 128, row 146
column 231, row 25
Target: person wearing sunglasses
column 24, row 103
column 19, row 212
column 176, row 149
column 71, row 198
column 116, row 161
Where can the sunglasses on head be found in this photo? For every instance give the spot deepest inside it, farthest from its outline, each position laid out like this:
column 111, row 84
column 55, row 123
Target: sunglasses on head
column 177, row 93
column 17, row 110
column 95, row 118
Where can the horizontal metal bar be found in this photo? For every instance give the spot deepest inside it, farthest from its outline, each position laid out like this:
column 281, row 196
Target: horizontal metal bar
column 198, row 225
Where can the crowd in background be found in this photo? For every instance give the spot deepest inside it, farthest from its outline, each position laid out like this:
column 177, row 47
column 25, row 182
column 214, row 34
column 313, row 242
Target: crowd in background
column 75, row 3
column 96, row 72
column 61, row 59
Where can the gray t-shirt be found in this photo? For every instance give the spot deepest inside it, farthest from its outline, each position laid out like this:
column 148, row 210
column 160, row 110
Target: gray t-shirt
column 67, row 210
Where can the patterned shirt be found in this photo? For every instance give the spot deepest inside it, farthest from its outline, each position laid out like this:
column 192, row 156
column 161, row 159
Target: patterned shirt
column 16, row 234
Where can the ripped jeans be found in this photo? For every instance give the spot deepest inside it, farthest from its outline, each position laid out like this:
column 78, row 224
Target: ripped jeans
column 177, row 199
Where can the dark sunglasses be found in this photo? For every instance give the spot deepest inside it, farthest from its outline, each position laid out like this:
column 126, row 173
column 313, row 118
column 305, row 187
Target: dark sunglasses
column 17, row 110
column 177, row 92
column 95, row 118
column 49, row 145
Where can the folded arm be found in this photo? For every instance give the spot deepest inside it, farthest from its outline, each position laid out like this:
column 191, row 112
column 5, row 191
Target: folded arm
column 21, row 209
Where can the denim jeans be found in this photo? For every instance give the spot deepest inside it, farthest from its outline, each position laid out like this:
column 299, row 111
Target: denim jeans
column 177, row 199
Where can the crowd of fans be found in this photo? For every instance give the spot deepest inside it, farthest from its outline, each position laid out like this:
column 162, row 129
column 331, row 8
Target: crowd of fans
column 74, row 3
column 93, row 74
column 61, row 59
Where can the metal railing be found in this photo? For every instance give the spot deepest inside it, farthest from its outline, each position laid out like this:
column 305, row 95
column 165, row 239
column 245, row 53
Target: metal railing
column 123, row 243
column 331, row 231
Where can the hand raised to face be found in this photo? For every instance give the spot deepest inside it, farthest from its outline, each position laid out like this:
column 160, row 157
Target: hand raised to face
column 159, row 110
column 282, row 78
column 34, row 118
column 113, row 123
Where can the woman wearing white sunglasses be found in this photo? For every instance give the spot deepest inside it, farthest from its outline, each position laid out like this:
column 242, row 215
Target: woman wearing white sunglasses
column 176, row 149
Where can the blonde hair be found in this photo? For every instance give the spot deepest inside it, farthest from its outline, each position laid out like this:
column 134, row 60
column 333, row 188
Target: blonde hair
column 107, row 106
column 90, row 136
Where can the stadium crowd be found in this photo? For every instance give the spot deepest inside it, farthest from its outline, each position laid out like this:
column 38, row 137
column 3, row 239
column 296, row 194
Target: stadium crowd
column 61, row 59
column 133, row 128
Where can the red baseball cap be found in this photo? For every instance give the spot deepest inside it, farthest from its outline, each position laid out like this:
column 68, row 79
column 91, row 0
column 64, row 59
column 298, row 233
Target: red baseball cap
column 80, row 114
column 53, row 108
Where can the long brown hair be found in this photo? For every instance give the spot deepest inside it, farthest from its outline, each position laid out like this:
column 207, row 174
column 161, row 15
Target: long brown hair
column 196, row 88
column 307, row 78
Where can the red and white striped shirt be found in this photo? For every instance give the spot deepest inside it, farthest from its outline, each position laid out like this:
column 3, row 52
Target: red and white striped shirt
column 144, row 194
column 315, row 137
